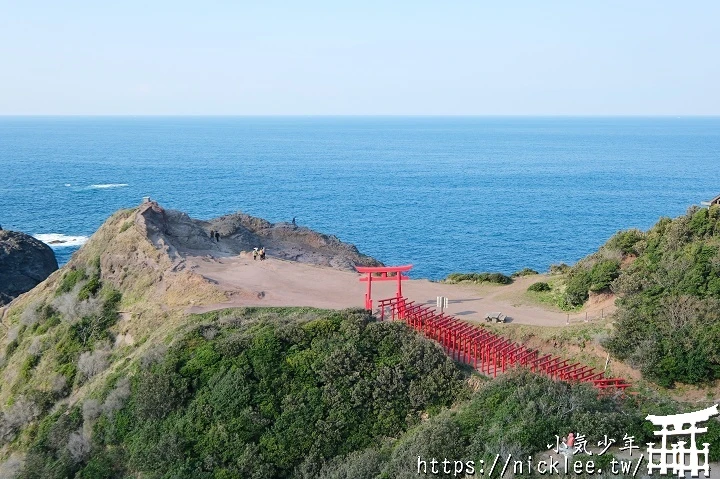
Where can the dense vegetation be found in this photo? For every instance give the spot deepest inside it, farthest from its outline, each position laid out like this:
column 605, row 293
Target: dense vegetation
column 496, row 278
column 668, row 323
column 239, row 398
column 263, row 393
column 312, row 394
column 55, row 347
column 516, row 414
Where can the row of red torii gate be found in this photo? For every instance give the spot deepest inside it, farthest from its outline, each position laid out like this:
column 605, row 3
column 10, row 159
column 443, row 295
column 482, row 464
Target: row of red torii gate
column 472, row 344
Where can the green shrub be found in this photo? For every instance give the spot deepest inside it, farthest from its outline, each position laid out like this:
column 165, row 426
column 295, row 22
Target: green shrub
column 69, row 280
column 524, row 272
column 540, row 286
column 68, row 347
column 602, row 274
column 11, row 347
column 48, row 324
column 102, row 465
column 95, row 266
column 111, row 299
column 560, row 268
column 581, row 280
column 89, row 289
column 700, row 223
column 625, row 241
column 28, row 365
column 47, row 312
column 44, row 400
column 68, row 371
column 95, row 327
column 496, row 278
column 577, row 287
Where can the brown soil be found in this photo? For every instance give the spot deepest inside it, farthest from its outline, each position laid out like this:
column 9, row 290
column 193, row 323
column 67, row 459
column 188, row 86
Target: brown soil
column 277, row 282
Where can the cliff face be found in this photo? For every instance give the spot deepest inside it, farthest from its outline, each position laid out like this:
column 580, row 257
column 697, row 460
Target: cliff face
column 181, row 235
column 24, row 263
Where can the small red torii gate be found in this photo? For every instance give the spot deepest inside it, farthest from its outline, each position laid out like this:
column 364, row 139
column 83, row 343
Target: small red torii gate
column 381, row 273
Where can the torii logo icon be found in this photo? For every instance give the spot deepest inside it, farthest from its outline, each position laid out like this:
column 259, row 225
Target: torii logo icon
column 677, row 458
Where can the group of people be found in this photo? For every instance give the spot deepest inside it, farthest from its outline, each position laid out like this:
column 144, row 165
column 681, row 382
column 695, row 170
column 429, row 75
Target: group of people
column 257, row 252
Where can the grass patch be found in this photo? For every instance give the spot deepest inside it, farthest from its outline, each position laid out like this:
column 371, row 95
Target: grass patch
column 553, row 297
column 495, row 278
column 126, row 226
column 524, row 272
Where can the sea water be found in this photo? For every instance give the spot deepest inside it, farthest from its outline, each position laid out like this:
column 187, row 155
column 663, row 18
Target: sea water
column 445, row 194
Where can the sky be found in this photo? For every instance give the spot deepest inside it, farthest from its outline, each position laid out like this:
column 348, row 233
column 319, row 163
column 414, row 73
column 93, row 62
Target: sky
column 157, row 57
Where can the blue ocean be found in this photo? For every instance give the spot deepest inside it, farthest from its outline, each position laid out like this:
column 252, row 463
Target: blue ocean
column 445, row 194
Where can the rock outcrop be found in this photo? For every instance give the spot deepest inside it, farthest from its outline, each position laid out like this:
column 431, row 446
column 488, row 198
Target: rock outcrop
column 179, row 234
column 25, row 262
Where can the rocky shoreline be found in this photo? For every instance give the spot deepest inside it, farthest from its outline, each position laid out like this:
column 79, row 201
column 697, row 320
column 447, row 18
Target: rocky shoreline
column 25, row 262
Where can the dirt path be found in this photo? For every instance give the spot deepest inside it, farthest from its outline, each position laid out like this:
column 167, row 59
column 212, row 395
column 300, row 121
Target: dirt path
column 275, row 282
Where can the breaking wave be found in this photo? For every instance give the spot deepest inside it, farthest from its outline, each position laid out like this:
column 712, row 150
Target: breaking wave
column 105, row 186
column 57, row 240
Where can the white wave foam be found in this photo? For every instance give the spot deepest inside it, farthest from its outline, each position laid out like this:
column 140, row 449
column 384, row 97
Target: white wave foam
column 105, row 186
column 57, row 240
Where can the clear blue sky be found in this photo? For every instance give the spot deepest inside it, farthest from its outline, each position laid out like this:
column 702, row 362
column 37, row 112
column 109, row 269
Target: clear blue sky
column 386, row 57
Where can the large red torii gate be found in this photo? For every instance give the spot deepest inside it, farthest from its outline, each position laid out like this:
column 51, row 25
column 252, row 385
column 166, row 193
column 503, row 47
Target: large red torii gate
column 381, row 273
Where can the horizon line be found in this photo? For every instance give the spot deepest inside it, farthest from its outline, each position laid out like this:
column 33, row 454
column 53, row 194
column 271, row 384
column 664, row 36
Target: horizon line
column 349, row 115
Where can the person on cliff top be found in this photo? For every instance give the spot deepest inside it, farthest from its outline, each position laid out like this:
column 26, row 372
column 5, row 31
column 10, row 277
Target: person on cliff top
column 294, row 224
column 212, row 235
column 255, row 254
column 262, row 254
column 217, row 236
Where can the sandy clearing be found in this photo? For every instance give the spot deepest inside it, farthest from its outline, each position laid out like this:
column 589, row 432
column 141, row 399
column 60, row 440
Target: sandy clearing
column 275, row 282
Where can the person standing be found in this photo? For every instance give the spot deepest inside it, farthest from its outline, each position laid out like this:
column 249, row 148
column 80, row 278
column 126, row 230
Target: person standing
column 255, row 254
column 262, row 254
column 217, row 236
column 212, row 235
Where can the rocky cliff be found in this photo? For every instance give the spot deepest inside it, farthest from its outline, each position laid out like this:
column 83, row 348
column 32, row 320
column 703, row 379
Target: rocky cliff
column 182, row 235
column 24, row 263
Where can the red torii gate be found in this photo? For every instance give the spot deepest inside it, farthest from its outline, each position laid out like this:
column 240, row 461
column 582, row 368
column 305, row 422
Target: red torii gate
column 381, row 273
column 472, row 344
